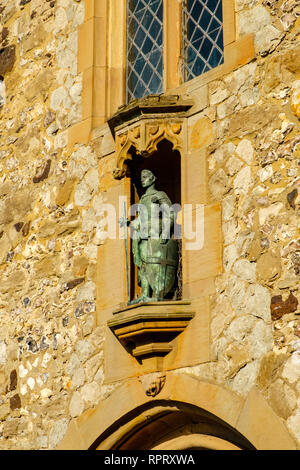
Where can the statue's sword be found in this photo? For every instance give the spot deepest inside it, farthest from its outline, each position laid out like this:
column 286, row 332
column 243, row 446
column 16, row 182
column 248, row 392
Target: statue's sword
column 123, row 223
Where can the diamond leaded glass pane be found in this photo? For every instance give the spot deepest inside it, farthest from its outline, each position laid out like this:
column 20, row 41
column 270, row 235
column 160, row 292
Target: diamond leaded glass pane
column 144, row 48
column 202, row 36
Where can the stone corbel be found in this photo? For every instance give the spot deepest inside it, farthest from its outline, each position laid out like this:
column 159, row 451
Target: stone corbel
column 148, row 330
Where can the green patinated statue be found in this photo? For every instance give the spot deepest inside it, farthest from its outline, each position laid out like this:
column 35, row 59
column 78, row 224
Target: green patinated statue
column 155, row 251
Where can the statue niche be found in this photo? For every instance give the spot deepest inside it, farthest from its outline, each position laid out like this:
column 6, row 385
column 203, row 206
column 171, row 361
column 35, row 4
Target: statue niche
column 155, row 252
column 149, row 135
column 154, row 231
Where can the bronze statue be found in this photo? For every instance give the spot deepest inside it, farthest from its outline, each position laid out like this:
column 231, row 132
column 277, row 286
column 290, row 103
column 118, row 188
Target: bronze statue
column 155, row 251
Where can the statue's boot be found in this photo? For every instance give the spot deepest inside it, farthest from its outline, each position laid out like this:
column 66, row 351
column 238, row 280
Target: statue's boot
column 141, row 299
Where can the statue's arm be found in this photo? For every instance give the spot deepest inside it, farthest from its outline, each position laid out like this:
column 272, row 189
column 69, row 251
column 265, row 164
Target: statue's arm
column 135, row 226
column 161, row 198
column 168, row 216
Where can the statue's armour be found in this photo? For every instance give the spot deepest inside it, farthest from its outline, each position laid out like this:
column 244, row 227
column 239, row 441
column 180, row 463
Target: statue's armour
column 152, row 197
column 160, row 198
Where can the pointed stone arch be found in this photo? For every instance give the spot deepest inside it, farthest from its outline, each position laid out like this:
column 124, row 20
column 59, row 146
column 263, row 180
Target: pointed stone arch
column 128, row 409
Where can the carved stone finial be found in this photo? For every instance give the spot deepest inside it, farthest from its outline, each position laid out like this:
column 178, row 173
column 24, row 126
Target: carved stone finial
column 153, row 383
column 119, row 173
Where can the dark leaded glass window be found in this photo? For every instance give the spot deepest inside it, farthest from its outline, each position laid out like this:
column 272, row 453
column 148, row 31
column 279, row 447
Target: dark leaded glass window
column 202, row 36
column 144, row 48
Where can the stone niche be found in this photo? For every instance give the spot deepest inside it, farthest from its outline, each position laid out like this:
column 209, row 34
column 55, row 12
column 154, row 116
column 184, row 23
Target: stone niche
column 174, row 333
column 148, row 134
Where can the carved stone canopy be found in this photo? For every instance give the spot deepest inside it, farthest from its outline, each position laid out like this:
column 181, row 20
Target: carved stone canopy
column 144, row 123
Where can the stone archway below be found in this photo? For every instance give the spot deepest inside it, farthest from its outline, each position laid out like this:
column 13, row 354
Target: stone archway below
column 197, row 441
column 116, row 421
column 172, row 426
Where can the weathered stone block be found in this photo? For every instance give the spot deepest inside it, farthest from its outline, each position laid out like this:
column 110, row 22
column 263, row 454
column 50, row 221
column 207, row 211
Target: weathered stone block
column 71, row 284
column 5, row 246
column 233, row 165
column 291, row 197
column 295, row 101
column 7, row 59
column 80, row 265
column 252, row 20
column 245, row 378
column 257, row 302
column 201, row 134
column 219, row 184
column 34, row 39
column 282, row 398
column 64, row 193
column 7, row 10
column 267, row 39
column 83, row 194
column 243, row 181
column 42, row 172
column 57, row 432
column 39, row 85
column 245, row 270
column 84, row 350
column 91, row 393
column 15, row 402
column 268, row 266
column 281, row 307
column 13, row 380
column 14, row 282
column 291, row 370
column 293, row 424
column 252, row 119
column 76, row 405
column 2, row 93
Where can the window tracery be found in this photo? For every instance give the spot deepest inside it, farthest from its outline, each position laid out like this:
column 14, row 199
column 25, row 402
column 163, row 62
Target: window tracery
column 202, row 28
column 201, row 37
column 144, row 73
